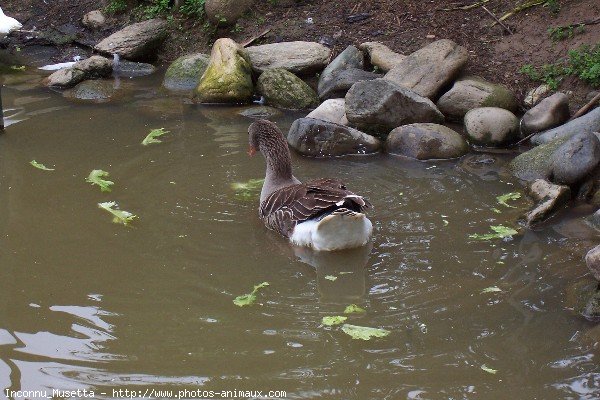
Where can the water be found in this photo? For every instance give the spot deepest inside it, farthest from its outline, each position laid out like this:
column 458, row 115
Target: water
column 88, row 304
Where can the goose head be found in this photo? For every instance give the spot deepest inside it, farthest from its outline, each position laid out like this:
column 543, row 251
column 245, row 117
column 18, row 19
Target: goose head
column 265, row 137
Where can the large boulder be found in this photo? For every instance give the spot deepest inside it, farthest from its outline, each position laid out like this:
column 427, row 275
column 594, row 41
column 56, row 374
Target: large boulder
column 297, row 57
column 473, row 92
column 95, row 67
column 228, row 77
column 426, row 142
column 226, row 12
column 137, row 42
column 549, row 197
column 381, row 56
column 349, row 58
column 378, row 106
column 282, row 89
column 332, row 110
column 587, row 123
column 339, row 85
column 565, row 160
column 317, row 138
column 431, row 68
column 550, row 112
column 185, row 72
column 491, row 126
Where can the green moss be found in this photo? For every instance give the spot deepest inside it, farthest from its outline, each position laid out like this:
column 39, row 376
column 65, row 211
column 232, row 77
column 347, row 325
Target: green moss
column 186, row 71
column 501, row 97
column 283, row 89
column 535, row 163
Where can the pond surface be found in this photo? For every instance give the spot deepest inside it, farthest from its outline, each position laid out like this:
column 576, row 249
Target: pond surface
column 89, row 304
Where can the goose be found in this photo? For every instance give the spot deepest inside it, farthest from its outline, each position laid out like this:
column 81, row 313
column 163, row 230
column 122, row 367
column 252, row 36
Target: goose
column 322, row 214
column 7, row 24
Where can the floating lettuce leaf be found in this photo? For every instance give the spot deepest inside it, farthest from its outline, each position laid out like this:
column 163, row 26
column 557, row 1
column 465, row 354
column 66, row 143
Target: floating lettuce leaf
column 153, row 135
column 249, row 190
column 363, row 332
column 491, row 289
column 354, row 309
column 334, row 320
column 330, row 277
column 95, row 178
column 500, row 232
column 40, row 166
column 119, row 216
column 502, row 200
column 488, row 370
column 250, row 298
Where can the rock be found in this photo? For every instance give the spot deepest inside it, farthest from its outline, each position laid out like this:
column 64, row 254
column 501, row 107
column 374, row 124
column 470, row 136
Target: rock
column 317, row 138
column 491, row 126
column 228, row 77
column 349, row 58
column 550, row 112
column 549, row 197
column 226, row 12
column 332, row 110
column 94, row 20
column 474, row 92
column 431, row 68
column 544, row 161
column 131, row 69
column 378, row 106
column 260, row 112
column 587, row 123
column 592, row 260
column 94, row 67
column 283, row 89
column 381, row 56
column 536, row 94
column 343, row 81
column 426, row 142
column 96, row 91
column 592, row 308
column 296, row 57
column 185, row 72
column 136, row 42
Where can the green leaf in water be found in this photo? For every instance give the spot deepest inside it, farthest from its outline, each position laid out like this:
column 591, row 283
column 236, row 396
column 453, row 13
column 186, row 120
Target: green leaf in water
column 330, row 277
column 500, row 232
column 491, row 289
column 40, row 166
column 354, row 309
column 488, row 369
column 119, row 216
column 334, row 320
column 250, row 298
column 363, row 332
column 502, row 200
column 153, row 135
column 249, row 190
column 96, row 178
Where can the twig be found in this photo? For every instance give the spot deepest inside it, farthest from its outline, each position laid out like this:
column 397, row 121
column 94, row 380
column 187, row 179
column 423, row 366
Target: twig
column 252, row 39
column 497, row 20
column 583, row 110
column 467, row 7
column 521, row 7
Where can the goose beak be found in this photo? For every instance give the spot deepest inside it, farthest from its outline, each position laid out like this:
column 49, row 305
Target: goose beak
column 251, row 151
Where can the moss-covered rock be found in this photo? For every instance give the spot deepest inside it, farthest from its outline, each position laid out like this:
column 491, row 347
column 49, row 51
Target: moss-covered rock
column 228, row 76
column 283, row 89
column 185, row 72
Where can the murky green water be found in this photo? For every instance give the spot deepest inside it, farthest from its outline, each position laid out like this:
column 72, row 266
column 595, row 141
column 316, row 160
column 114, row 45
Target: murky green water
column 88, row 304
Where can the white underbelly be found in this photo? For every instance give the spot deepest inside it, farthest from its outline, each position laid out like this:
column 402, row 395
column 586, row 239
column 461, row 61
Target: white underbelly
column 333, row 232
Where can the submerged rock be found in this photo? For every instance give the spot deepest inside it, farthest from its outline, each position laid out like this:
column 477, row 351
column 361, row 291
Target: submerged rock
column 137, row 42
column 317, row 138
column 592, row 308
column 549, row 198
column 592, row 260
column 491, row 126
column 95, row 67
column 131, row 69
column 96, row 91
column 550, row 112
column 474, row 92
column 431, row 68
column 587, row 123
column 297, row 57
column 378, row 106
column 226, row 12
column 382, row 56
column 339, row 85
column 185, row 72
column 349, row 58
column 228, row 77
column 332, row 110
column 283, row 89
column 426, row 142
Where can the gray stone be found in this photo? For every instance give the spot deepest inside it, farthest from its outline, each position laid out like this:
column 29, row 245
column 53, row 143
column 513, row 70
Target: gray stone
column 550, row 112
column 426, row 142
column 332, row 110
column 549, row 198
column 339, row 85
column 381, row 56
column 137, row 42
column 378, row 106
column 185, row 72
column 536, row 94
column 474, row 92
column 296, row 57
column 260, row 112
column 94, row 20
column 587, row 123
column 431, row 68
column 132, row 69
column 226, row 12
column 592, row 260
column 95, row 91
column 491, row 126
column 316, row 138
column 592, row 308
column 282, row 89
column 349, row 58
column 94, row 67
